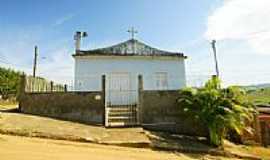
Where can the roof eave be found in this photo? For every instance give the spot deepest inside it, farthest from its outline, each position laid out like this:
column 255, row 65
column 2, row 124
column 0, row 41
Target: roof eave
column 122, row 55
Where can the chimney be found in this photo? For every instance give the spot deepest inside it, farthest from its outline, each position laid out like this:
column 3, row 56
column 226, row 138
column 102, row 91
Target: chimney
column 77, row 38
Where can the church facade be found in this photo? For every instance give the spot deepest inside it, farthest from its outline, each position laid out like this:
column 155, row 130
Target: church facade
column 122, row 64
column 161, row 70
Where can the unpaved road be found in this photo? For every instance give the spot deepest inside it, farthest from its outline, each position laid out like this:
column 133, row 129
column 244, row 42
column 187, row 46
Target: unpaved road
column 24, row 124
column 23, row 148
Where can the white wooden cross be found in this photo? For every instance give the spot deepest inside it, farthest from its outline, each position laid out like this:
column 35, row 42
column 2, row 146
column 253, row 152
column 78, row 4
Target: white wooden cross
column 132, row 31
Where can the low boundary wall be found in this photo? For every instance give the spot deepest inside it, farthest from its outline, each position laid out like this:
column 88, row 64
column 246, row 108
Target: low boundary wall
column 160, row 112
column 86, row 107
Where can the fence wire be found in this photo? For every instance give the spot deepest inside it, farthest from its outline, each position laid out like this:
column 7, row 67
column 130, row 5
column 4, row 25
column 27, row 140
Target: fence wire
column 38, row 84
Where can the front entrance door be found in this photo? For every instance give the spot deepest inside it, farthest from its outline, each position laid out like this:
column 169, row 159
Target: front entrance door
column 121, row 99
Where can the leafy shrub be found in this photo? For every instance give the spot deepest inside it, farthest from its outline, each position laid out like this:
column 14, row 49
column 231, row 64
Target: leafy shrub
column 217, row 108
column 9, row 82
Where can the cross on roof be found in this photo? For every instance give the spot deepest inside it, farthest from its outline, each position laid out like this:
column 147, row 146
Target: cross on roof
column 132, row 31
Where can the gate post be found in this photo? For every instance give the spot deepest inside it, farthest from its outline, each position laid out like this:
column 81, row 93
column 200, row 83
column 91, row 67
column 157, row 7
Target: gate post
column 65, row 88
column 103, row 83
column 140, row 100
column 51, row 84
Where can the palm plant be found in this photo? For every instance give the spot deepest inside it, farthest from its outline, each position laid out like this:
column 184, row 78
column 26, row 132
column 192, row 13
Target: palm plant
column 217, row 108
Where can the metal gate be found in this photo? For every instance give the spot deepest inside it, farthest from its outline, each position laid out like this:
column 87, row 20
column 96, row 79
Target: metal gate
column 121, row 96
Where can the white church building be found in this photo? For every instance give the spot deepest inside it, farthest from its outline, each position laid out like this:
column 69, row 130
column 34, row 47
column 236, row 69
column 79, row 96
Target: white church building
column 161, row 70
column 122, row 64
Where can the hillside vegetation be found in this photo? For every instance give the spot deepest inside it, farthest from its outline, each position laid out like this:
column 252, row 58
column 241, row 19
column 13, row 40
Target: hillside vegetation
column 259, row 96
column 9, row 82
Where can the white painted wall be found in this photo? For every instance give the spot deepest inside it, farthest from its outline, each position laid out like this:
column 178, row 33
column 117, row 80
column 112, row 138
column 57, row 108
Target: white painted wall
column 89, row 69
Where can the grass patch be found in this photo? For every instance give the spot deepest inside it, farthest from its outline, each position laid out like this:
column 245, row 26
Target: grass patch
column 260, row 96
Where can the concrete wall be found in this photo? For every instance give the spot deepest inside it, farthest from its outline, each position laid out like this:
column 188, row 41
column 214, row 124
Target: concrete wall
column 88, row 70
column 83, row 107
column 159, row 111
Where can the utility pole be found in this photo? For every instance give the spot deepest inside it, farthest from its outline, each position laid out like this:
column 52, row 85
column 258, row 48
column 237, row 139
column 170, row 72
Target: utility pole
column 213, row 43
column 35, row 61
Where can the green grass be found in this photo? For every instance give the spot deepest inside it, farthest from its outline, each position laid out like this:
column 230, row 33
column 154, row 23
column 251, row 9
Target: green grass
column 260, row 96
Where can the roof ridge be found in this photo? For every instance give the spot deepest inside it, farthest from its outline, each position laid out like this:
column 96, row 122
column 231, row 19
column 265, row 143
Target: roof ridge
column 131, row 47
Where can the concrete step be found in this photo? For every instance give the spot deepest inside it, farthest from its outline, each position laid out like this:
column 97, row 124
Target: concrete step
column 122, row 114
column 122, row 118
column 122, row 110
column 120, row 124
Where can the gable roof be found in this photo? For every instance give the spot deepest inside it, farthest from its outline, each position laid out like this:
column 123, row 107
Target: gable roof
column 130, row 47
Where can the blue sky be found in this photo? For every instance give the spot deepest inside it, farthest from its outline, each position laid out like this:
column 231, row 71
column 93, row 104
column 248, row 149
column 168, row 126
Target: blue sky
column 184, row 26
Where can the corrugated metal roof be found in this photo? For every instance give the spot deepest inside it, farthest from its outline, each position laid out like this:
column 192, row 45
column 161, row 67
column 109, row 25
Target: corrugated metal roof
column 128, row 48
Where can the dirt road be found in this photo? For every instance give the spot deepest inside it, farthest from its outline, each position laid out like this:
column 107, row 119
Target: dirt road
column 23, row 148
column 23, row 124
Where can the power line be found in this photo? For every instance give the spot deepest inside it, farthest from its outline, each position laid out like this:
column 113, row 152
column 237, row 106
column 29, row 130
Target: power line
column 12, row 64
column 4, row 62
column 3, row 58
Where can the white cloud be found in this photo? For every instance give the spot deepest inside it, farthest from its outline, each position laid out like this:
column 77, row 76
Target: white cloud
column 58, row 67
column 245, row 20
column 64, row 19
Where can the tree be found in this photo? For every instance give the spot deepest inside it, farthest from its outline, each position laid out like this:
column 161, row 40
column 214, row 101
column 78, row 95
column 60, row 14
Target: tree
column 217, row 108
column 9, row 81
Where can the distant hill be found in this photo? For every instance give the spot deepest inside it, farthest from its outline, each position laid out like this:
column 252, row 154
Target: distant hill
column 259, row 94
column 258, row 86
